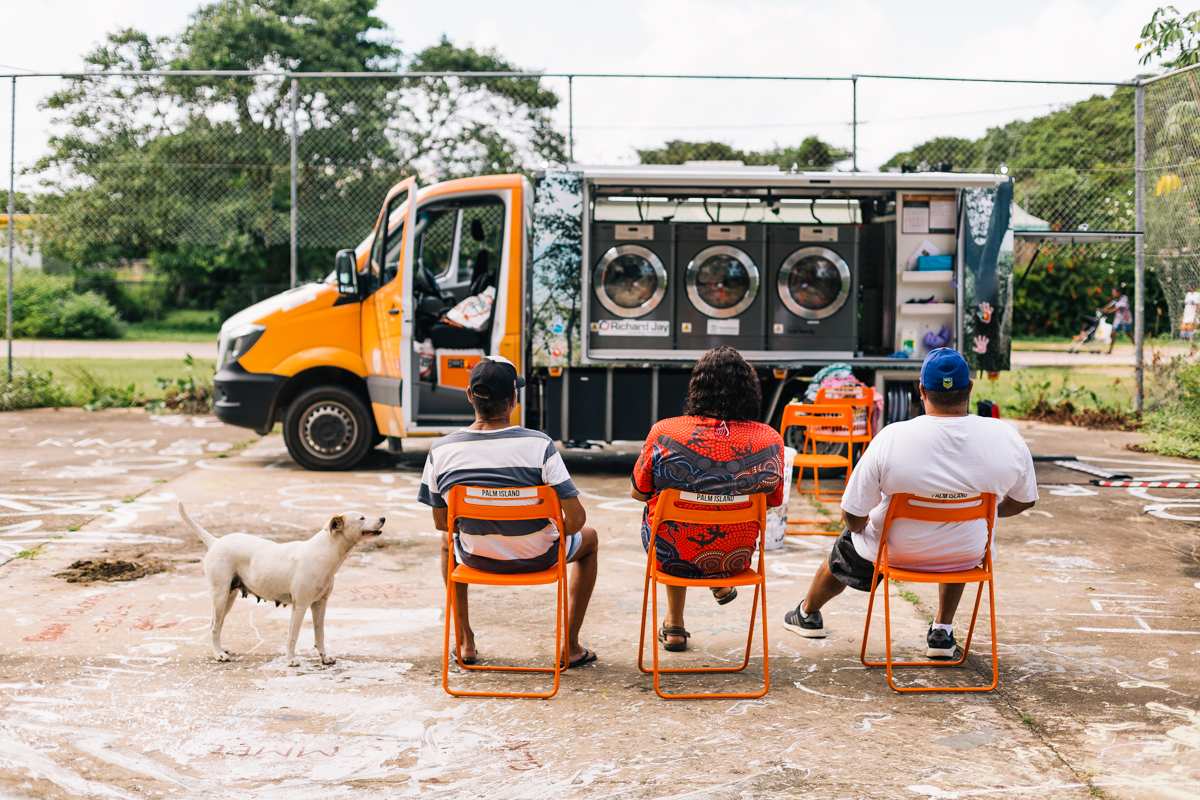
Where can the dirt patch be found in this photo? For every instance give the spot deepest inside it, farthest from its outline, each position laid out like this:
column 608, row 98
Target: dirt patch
column 1099, row 419
column 109, row 571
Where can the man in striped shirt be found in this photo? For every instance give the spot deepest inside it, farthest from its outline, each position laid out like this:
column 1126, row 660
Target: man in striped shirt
column 495, row 453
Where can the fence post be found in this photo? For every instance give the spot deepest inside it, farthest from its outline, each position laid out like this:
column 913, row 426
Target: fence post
column 295, row 92
column 12, row 210
column 570, row 119
column 854, row 122
column 1139, row 244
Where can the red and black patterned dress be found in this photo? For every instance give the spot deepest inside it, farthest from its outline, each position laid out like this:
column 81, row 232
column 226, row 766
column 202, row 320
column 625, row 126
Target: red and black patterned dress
column 708, row 456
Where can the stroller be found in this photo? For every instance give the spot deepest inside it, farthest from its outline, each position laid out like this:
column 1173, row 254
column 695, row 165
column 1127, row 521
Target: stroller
column 1095, row 329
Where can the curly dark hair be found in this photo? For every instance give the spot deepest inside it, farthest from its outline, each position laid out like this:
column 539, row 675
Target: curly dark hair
column 724, row 386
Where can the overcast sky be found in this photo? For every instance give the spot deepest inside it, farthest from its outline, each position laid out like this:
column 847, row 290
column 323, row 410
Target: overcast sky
column 1081, row 40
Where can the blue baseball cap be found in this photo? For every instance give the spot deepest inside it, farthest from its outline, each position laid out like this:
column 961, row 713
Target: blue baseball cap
column 945, row 370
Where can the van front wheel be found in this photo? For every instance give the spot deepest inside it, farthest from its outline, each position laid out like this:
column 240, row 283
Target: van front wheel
column 328, row 428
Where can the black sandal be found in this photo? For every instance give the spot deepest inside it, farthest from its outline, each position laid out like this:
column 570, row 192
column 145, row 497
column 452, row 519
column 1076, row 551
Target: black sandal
column 729, row 598
column 673, row 630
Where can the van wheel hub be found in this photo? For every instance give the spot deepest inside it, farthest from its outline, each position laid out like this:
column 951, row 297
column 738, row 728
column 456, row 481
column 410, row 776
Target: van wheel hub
column 328, row 429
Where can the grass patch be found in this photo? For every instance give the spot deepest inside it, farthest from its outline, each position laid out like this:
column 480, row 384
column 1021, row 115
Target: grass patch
column 32, row 553
column 1026, row 719
column 177, row 325
column 1100, row 397
column 143, row 374
column 906, row 594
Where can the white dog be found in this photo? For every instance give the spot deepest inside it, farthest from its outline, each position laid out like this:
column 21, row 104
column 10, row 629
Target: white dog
column 299, row 574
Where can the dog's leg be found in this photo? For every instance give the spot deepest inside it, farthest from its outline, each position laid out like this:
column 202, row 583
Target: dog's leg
column 222, row 601
column 318, row 616
column 294, row 634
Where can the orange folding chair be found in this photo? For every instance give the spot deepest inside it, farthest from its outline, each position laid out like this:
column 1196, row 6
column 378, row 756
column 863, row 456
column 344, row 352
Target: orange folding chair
column 707, row 509
column 532, row 502
column 857, row 397
column 962, row 508
column 821, row 423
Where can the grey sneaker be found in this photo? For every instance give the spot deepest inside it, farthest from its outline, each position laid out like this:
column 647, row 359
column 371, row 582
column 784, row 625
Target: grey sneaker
column 809, row 626
column 940, row 644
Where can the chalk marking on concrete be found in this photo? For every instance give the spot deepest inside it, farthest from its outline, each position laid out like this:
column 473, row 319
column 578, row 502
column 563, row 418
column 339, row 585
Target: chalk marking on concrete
column 866, row 698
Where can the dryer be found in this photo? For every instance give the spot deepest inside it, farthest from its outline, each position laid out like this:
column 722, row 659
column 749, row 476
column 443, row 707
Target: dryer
column 630, row 292
column 814, row 288
column 719, row 274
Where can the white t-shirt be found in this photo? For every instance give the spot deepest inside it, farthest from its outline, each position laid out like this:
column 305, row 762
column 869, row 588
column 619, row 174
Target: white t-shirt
column 1190, row 301
column 927, row 456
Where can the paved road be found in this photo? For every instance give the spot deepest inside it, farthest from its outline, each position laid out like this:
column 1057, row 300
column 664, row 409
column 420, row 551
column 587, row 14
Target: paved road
column 110, row 690
column 28, row 348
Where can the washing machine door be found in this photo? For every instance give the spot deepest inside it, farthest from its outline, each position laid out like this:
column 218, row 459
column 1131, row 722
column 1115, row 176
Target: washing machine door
column 630, row 280
column 722, row 281
column 814, row 282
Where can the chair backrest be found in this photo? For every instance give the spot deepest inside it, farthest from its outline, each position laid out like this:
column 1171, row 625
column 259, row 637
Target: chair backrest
column 823, row 423
column 507, row 503
column 854, row 396
column 711, row 509
column 946, row 507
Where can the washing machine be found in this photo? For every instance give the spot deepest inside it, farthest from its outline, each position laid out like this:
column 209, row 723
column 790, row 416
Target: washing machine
column 814, row 287
column 630, row 289
column 719, row 272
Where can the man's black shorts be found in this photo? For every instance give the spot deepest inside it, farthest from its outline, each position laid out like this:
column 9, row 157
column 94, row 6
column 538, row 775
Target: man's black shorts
column 848, row 566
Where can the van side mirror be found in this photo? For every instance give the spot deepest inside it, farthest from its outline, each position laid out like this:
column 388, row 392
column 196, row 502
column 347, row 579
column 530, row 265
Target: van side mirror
column 346, row 267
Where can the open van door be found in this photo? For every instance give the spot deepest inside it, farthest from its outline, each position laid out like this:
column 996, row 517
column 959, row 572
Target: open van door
column 387, row 312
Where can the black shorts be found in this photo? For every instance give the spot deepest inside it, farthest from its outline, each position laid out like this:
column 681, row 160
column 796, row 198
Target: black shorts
column 848, row 566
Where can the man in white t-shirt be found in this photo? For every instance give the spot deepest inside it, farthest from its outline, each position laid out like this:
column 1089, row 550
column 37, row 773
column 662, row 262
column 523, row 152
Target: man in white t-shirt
column 946, row 450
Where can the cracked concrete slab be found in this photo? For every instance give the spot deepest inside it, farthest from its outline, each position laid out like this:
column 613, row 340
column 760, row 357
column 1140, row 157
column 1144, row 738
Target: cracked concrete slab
column 110, row 689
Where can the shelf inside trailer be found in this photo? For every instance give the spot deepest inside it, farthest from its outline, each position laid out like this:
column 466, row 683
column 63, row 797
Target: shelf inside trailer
column 931, row 309
column 928, row 276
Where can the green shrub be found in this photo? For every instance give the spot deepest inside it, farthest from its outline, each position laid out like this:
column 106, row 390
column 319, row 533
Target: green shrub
column 188, row 395
column 88, row 316
column 47, row 307
column 94, row 394
column 31, row 388
column 1173, row 406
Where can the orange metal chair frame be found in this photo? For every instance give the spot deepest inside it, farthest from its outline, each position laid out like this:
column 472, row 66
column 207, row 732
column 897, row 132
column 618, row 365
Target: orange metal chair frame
column 476, row 502
column 905, row 506
column 812, row 417
column 668, row 508
column 855, row 397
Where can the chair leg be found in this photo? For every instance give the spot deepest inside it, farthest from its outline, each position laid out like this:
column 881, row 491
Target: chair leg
column 862, row 656
column 642, row 634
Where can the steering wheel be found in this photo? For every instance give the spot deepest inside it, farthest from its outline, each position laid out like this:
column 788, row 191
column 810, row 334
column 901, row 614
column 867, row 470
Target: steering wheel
column 428, row 283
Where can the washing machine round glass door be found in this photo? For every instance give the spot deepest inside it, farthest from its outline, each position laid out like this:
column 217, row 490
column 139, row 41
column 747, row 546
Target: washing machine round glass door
column 814, row 282
column 721, row 281
column 630, row 280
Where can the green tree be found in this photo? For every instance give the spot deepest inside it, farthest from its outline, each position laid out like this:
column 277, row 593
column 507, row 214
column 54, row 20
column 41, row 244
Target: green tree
column 1167, row 32
column 192, row 172
column 1073, row 166
column 812, row 154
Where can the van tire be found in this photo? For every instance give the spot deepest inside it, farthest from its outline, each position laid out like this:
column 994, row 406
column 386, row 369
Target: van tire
column 328, row 428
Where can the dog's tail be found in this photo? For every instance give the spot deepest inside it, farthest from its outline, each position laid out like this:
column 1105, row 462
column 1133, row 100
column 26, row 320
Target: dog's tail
column 206, row 537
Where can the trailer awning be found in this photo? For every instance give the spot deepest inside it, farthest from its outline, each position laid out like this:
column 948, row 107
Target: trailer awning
column 1076, row 237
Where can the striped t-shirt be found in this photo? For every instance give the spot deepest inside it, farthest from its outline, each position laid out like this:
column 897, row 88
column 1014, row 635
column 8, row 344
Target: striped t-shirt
column 508, row 457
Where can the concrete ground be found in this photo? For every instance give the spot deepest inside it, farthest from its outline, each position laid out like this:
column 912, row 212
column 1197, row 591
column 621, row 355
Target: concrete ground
column 109, row 689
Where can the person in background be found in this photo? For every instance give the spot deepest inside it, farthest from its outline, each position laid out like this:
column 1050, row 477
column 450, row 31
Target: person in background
column 947, row 449
column 1191, row 304
column 495, row 453
column 1122, row 316
column 717, row 447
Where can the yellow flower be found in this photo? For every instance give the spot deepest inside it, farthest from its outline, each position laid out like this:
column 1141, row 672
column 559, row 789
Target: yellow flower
column 1167, row 184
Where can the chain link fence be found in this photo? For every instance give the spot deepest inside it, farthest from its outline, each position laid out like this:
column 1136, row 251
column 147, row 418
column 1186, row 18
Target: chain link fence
column 192, row 176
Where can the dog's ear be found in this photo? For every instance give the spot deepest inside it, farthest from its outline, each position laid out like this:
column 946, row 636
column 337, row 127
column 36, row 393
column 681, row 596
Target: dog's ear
column 337, row 524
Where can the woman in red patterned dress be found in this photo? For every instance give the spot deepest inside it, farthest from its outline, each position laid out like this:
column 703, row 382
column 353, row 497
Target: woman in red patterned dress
column 717, row 447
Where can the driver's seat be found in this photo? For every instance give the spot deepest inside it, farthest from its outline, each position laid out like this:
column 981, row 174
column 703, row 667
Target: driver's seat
column 452, row 337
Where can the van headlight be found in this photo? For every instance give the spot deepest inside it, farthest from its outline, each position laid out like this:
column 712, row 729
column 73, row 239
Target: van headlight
column 237, row 343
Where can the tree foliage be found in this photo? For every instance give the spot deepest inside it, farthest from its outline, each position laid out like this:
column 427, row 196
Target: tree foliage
column 812, row 154
column 1073, row 166
column 193, row 173
column 1167, row 32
